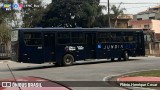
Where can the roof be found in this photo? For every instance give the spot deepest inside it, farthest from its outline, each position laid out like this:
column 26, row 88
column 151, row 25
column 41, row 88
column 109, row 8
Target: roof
column 150, row 11
column 147, row 12
column 140, row 22
column 155, row 7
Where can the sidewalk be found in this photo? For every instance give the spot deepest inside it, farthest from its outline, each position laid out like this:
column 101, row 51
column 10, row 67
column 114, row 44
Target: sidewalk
column 139, row 83
column 134, row 82
column 139, row 79
column 5, row 61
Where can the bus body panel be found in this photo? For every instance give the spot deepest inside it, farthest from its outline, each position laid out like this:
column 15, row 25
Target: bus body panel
column 90, row 45
column 46, row 46
column 30, row 53
column 140, row 49
column 49, row 46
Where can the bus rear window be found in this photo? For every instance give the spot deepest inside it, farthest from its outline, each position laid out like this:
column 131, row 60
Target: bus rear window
column 32, row 38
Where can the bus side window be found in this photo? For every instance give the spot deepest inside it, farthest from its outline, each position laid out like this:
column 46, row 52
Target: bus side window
column 32, row 38
column 108, row 37
column 77, row 38
column 102, row 37
column 88, row 39
column 128, row 37
column 63, row 38
column 113, row 37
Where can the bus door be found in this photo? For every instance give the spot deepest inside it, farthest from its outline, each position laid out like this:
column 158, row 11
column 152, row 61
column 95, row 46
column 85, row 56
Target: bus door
column 90, row 41
column 33, row 50
column 49, row 47
column 140, row 48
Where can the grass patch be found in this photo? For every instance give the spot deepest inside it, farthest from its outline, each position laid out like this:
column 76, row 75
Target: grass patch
column 153, row 73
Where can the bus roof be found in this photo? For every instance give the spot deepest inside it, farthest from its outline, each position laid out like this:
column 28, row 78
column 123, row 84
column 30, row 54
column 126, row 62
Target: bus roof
column 80, row 29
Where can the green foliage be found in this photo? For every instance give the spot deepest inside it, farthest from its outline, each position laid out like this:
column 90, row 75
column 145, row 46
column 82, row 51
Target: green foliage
column 5, row 33
column 72, row 13
column 6, row 14
column 152, row 73
column 32, row 15
column 5, row 18
column 101, row 21
column 117, row 11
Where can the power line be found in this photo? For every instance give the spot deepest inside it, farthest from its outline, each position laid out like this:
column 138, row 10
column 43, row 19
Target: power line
column 131, row 3
column 139, row 7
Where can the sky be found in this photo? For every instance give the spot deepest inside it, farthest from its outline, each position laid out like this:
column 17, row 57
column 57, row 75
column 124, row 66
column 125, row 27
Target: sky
column 130, row 8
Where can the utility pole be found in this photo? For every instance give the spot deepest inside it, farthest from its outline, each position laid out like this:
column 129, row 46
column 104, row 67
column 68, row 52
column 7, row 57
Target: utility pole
column 109, row 20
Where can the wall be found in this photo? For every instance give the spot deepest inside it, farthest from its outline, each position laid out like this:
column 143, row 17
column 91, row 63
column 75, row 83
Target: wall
column 146, row 16
column 156, row 26
column 140, row 23
column 157, row 16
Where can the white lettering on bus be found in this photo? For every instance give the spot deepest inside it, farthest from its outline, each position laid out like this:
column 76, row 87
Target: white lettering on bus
column 113, row 46
column 70, row 48
column 80, row 47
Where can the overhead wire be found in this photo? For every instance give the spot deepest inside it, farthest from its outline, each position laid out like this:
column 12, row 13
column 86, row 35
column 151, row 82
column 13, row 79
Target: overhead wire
column 147, row 4
column 132, row 3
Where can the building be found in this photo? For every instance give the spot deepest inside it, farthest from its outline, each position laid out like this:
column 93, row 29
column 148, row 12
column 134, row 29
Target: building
column 146, row 24
column 149, row 20
column 151, row 13
column 122, row 21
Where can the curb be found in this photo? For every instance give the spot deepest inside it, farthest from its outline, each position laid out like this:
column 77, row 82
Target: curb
column 5, row 61
column 111, row 77
column 152, row 56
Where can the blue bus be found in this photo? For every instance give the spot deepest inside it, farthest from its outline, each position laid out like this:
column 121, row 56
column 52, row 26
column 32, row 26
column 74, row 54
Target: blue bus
column 64, row 46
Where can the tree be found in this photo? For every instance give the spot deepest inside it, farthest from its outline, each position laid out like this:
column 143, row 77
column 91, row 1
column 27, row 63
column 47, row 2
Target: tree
column 117, row 11
column 6, row 16
column 101, row 21
column 5, row 33
column 72, row 13
column 32, row 14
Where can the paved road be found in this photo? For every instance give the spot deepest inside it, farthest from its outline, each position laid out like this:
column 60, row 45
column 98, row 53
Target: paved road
column 82, row 71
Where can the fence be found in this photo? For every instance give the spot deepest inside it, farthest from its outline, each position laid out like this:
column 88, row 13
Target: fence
column 153, row 48
column 4, row 53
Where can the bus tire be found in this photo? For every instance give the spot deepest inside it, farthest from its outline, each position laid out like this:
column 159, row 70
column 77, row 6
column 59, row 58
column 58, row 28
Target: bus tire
column 112, row 59
column 125, row 56
column 68, row 60
column 119, row 59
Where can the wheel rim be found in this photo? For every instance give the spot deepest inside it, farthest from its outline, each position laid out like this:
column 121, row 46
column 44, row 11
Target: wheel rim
column 126, row 56
column 68, row 60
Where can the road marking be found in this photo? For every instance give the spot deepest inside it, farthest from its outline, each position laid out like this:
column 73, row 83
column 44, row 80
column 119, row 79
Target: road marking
column 111, row 76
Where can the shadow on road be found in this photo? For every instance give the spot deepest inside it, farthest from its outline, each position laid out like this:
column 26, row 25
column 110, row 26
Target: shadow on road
column 103, row 61
column 33, row 68
column 76, row 64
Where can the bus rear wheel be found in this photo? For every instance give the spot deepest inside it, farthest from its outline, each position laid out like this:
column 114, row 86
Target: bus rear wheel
column 125, row 56
column 68, row 60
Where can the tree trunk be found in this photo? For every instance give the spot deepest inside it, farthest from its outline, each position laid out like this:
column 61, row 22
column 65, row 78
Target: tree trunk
column 115, row 23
